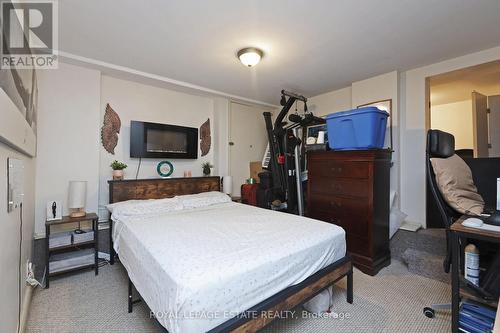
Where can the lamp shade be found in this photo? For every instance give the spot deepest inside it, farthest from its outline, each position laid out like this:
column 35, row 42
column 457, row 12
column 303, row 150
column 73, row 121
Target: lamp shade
column 77, row 194
column 227, row 184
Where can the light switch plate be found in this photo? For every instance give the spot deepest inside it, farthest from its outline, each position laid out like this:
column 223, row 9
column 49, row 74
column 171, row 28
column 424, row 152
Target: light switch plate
column 15, row 180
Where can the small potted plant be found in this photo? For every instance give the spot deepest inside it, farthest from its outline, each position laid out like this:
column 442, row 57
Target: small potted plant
column 118, row 169
column 207, row 168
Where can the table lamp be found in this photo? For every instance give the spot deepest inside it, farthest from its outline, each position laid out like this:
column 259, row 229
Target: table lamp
column 77, row 198
column 227, row 184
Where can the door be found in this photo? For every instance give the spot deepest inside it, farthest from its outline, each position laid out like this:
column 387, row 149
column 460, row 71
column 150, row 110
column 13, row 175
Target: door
column 480, row 124
column 494, row 125
column 247, row 141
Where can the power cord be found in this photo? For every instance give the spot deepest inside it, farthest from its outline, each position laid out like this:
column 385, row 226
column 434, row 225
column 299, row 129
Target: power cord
column 138, row 168
column 19, row 267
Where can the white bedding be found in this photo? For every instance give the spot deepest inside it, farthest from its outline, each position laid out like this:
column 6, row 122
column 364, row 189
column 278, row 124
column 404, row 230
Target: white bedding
column 198, row 267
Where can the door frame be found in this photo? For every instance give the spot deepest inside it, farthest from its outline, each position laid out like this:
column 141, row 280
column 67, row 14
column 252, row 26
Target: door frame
column 229, row 132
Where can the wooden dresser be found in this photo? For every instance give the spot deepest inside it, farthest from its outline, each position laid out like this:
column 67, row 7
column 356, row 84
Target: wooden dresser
column 351, row 189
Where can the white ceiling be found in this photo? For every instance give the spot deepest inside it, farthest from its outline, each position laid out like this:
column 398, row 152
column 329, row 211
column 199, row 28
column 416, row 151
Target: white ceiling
column 310, row 47
column 458, row 85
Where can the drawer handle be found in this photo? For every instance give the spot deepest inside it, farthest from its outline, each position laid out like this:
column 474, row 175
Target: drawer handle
column 337, row 187
column 338, row 170
column 335, row 221
column 336, row 204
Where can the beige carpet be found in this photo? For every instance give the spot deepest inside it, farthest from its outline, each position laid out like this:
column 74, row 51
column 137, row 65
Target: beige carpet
column 392, row 301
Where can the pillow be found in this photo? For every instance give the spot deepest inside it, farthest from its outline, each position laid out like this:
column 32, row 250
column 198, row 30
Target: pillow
column 127, row 203
column 203, row 199
column 454, row 180
column 147, row 207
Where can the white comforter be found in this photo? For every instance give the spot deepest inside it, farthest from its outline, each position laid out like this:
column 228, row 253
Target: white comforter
column 198, row 263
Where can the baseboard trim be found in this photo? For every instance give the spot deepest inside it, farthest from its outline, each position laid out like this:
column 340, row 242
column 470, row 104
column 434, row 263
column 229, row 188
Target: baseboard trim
column 28, row 295
column 410, row 226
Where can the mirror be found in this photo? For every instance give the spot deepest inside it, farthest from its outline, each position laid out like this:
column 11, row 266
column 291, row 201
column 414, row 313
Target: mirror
column 15, row 180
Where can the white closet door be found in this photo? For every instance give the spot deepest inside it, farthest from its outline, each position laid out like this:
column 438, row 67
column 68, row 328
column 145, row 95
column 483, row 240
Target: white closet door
column 494, row 125
column 247, row 141
column 480, row 124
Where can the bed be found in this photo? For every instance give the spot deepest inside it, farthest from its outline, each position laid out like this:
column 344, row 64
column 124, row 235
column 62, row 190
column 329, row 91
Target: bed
column 203, row 263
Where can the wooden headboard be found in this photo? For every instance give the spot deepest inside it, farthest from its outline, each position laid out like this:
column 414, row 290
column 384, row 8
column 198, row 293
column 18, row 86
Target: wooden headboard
column 121, row 190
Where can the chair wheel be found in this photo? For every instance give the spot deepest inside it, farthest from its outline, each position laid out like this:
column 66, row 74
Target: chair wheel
column 429, row 312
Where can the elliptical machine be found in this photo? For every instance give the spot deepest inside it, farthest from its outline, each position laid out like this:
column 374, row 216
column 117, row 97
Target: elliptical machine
column 281, row 183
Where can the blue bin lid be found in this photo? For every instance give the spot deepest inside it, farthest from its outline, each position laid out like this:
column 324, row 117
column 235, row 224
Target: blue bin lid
column 368, row 109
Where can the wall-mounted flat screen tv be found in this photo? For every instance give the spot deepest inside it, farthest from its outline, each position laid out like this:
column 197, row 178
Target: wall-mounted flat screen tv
column 153, row 140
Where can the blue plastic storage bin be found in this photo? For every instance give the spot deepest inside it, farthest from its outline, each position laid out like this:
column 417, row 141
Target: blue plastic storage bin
column 362, row 128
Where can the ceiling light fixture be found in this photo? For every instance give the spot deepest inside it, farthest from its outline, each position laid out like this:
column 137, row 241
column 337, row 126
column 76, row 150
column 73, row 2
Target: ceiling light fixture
column 250, row 56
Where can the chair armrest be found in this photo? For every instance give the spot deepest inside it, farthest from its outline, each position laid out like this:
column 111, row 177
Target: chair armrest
column 485, row 172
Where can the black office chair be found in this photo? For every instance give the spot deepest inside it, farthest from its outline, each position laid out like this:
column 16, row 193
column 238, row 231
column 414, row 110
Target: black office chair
column 441, row 145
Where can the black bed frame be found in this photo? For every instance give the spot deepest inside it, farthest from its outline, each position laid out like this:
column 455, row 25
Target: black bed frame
column 268, row 303
column 303, row 291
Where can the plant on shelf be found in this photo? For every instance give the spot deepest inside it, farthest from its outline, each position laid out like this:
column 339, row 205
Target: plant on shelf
column 207, row 168
column 118, row 169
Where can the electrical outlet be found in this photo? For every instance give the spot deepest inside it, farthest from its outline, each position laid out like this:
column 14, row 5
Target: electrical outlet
column 28, row 268
column 30, row 274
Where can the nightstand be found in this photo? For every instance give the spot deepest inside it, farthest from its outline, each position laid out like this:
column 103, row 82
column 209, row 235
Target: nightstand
column 69, row 251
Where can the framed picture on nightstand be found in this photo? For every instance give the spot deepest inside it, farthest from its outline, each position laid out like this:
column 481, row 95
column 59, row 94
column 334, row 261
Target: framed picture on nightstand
column 54, row 210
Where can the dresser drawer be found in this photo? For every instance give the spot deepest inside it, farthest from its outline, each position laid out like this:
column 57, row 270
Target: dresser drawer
column 358, row 245
column 334, row 186
column 339, row 206
column 354, row 222
column 325, row 217
column 339, row 169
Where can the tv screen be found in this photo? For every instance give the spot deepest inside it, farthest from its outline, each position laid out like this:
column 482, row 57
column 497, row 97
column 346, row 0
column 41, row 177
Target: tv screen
column 153, row 140
column 159, row 141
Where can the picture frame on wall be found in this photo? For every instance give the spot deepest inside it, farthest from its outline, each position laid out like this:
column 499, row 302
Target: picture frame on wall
column 19, row 105
column 384, row 105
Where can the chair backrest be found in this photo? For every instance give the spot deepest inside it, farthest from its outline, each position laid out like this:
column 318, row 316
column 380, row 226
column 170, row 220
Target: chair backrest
column 442, row 145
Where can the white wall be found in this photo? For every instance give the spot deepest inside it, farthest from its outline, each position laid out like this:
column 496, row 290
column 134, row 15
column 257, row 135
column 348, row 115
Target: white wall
column 413, row 128
column 10, row 237
column 408, row 91
column 68, row 136
column 135, row 101
column 333, row 101
column 71, row 110
column 382, row 87
column 374, row 89
column 220, row 136
column 455, row 118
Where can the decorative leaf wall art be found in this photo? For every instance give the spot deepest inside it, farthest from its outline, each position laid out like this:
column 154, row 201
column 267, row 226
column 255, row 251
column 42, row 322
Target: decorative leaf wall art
column 110, row 130
column 205, row 137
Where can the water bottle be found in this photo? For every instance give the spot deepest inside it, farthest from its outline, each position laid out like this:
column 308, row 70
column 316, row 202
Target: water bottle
column 472, row 264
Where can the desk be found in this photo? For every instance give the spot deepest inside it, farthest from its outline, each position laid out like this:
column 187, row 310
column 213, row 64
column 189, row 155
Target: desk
column 458, row 231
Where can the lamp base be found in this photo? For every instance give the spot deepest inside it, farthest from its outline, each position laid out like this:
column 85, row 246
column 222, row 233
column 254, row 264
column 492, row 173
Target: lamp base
column 78, row 213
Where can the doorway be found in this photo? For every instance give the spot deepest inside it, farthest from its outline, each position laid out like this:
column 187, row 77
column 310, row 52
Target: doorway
column 465, row 103
column 247, row 141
